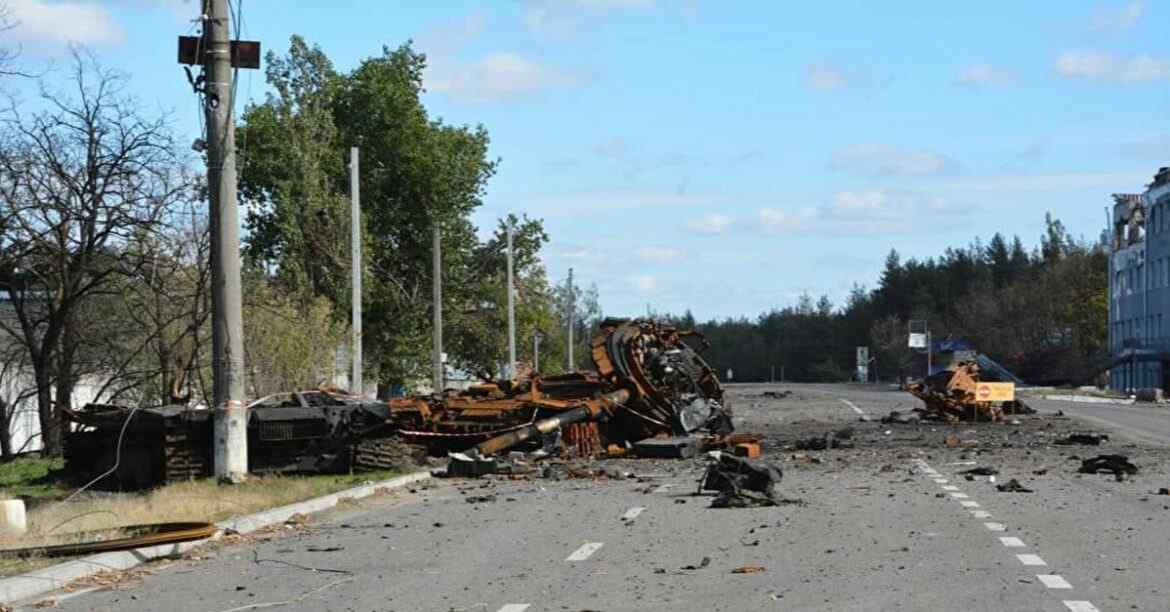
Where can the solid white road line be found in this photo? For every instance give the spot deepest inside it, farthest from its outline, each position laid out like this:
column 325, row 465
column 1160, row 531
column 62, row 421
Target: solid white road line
column 941, row 480
column 959, row 495
column 587, row 549
column 663, row 488
column 995, row 526
column 1054, row 581
column 981, row 514
column 969, row 504
column 1080, row 606
column 1030, row 559
column 1012, row 542
column 632, row 513
column 514, row 608
column 950, row 488
column 853, row 406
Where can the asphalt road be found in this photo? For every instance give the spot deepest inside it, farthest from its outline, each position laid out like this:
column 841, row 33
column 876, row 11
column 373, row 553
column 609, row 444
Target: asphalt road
column 1149, row 423
column 886, row 525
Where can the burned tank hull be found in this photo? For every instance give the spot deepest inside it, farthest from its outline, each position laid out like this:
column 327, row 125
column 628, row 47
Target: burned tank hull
column 649, row 380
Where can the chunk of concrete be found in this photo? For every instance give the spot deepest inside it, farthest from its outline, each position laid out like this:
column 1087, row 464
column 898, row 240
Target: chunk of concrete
column 12, row 516
column 461, row 465
column 667, row 448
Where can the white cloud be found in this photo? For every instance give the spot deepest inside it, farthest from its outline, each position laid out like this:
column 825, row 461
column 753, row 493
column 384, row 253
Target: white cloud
column 47, row 27
column 1047, row 183
column 879, row 160
column 497, row 76
column 1121, row 19
column 825, row 77
column 564, row 18
column 1103, row 66
column 659, row 255
column 711, row 224
column 777, row 220
column 887, row 211
column 643, row 283
column 985, row 75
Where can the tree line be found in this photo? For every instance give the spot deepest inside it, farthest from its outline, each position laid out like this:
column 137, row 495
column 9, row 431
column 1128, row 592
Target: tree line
column 1042, row 313
column 104, row 242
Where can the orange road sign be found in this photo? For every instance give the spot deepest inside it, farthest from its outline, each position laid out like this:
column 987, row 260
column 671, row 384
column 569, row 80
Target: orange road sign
column 995, row 392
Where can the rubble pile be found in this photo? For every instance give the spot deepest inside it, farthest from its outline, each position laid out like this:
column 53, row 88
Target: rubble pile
column 951, row 396
column 741, row 483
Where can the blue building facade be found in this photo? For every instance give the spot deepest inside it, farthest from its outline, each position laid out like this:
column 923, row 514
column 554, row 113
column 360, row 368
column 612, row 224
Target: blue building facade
column 1139, row 288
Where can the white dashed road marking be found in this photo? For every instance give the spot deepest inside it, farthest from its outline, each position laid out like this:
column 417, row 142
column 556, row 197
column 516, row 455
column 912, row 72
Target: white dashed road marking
column 514, row 608
column 1051, row 581
column 1054, row 581
column 663, row 488
column 632, row 513
column 587, row 549
column 854, row 407
column 1030, row 559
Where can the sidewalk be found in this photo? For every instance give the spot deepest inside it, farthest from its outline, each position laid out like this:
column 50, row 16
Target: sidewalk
column 46, row 580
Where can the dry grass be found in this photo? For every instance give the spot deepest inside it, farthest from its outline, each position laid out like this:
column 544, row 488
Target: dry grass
column 201, row 500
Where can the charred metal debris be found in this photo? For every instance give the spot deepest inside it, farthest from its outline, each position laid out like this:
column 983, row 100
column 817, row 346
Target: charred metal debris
column 950, row 395
column 649, row 381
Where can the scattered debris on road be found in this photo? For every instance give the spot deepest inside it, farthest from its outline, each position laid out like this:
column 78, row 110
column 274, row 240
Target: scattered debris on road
column 903, row 418
column 749, row 569
column 741, row 483
column 1118, row 465
column 704, row 562
column 981, row 470
column 776, row 394
column 1084, row 438
column 1013, row 486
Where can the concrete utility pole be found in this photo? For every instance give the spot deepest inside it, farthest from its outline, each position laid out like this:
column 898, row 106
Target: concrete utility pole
column 437, row 298
column 511, row 308
column 231, row 443
column 355, row 256
column 536, row 352
column 572, row 308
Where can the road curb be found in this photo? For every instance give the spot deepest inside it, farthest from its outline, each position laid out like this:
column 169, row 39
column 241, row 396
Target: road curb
column 46, row 580
column 1084, row 399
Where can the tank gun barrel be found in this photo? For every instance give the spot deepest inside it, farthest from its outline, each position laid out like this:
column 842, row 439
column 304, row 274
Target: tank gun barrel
column 589, row 410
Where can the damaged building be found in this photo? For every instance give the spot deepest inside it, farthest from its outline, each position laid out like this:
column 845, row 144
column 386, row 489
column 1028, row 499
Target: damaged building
column 1139, row 288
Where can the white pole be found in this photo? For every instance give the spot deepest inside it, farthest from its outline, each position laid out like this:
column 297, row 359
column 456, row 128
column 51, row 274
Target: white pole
column 437, row 308
column 572, row 307
column 355, row 376
column 511, row 308
column 231, row 413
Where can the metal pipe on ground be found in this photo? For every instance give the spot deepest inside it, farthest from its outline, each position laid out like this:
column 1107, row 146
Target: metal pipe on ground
column 588, row 411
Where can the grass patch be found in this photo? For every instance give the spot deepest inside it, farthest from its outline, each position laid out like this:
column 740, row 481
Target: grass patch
column 197, row 500
column 31, row 477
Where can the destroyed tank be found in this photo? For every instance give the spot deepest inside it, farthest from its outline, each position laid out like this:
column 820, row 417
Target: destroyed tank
column 648, row 381
column 665, row 387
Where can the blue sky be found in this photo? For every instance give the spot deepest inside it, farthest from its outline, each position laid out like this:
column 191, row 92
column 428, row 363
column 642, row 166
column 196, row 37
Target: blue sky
column 727, row 156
